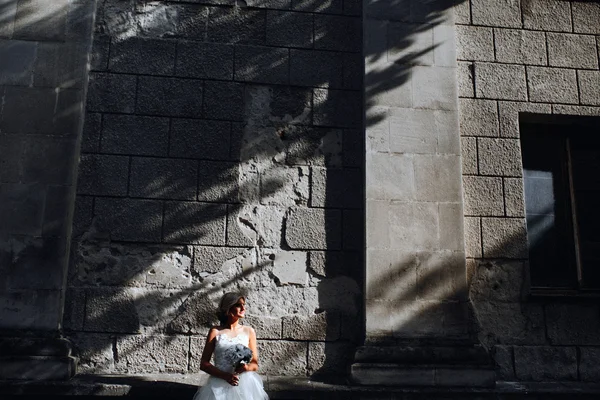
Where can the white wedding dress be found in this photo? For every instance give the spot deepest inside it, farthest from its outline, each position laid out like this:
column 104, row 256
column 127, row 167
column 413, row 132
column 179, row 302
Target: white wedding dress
column 250, row 386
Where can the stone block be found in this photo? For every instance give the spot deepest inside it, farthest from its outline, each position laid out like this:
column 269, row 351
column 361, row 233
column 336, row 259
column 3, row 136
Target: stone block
column 251, row 224
column 50, row 20
column 441, row 276
column 137, row 135
column 68, row 114
column 518, row 46
column 163, row 178
column 327, row 6
column 196, row 223
column 329, row 358
column 572, row 51
column 352, row 143
column 419, row 50
column 336, row 188
column 437, row 178
column 483, row 196
column 509, row 323
column 95, row 352
column 509, row 112
column 195, row 138
column 48, row 160
column 514, row 201
column 99, row 53
column 132, row 54
column 41, row 309
column 589, row 370
column 586, row 17
column 316, row 68
column 111, row 93
column 496, row 13
column 462, row 12
column 110, row 310
column 474, row 43
column 262, row 64
column 352, row 237
column 80, row 21
column 223, row 100
column 444, row 40
column 82, row 215
column 236, row 25
column 469, row 155
column 541, row 15
column 289, row 268
column 413, row 226
column 284, row 187
column 316, row 146
column 103, row 175
column 383, row 88
column 204, row 60
column 169, row 96
column 92, row 129
column 59, row 201
column 504, row 238
column 500, row 81
column 499, row 157
column 542, row 363
column 336, row 108
column 500, row 281
column 218, row 182
column 157, row 19
column 129, row 219
column 17, row 59
column 466, row 79
column 196, row 315
column 425, row 319
column 22, row 208
column 573, row 324
column 312, row 228
column 11, row 152
column 74, row 312
column 434, row 88
column 152, row 354
column 265, row 327
column 60, row 65
column 589, row 84
column 575, row 110
column 353, row 71
column 282, row 358
column 291, row 102
column 212, row 259
column 503, row 361
column 392, row 275
column 322, row 326
column 473, row 237
column 28, row 110
column 291, row 29
column 339, row 33
column 9, row 12
column 478, row 117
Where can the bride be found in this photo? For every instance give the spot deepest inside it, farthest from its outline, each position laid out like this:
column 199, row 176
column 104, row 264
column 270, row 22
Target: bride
column 227, row 381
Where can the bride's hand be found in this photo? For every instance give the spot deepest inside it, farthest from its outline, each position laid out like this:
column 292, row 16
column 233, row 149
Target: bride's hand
column 242, row 368
column 233, row 380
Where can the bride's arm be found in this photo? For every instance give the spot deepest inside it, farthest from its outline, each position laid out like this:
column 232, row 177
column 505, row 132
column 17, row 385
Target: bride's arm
column 253, row 364
column 205, row 364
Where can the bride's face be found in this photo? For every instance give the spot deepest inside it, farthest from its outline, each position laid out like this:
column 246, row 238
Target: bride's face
column 238, row 310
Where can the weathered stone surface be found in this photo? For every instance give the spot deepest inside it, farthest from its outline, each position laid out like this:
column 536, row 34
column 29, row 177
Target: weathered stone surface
column 473, row 237
column 147, row 354
column 390, row 176
column 437, row 177
column 290, row 300
column 291, row 29
column 163, row 178
column 483, row 196
column 92, row 129
column 195, row 354
column 499, row 281
column 588, row 364
column 111, row 93
column 99, row 53
column 589, row 84
column 110, row 310
column 125, row 134
column 469, row 155
column 265, row 327
column 500, row 157
column 441, row 276
column 413, row 226
column 95, row 352
column 169, row 96
column 541, row 363
column 496, row 13
column 22, row 208
column 520, row 47
column 319, row 146
column 197, row 313
column 352, row 235
column 509, row 115
column 261, row 64
column 223, row 100
column 204, row 60
column 195, row 223
column 49, row 160
column 50, row 20
column 419, row 49
column 289, row 267
column 336, row 108
column 572, row 51
column 313, row 229
column 322, row 326
column 504, row 238
column 218, row 182
column 466, row 79
column 129, row 219
column 74, row 312
column 335, row 188
column 10, row 12
column 326, row 6
column 503, row 360
column 16, row 62
column 543, row 15
column 11, row 151
column 316, row 68
column 474, row 43
column 236, row 25
column 478, row 117
column 211, row 259
column 514, row 201
column 575, row 110
column 42, row 307
column 500, row 81
column 434, row 88
column 329, row 358
column 338, row 33
column 571, row 324
column 552, row 85
column 59, row 200
column 586, row 17
column 521, row 323
column 194, row 138
column 282, row 358
column 284, row 186
column 132, row 54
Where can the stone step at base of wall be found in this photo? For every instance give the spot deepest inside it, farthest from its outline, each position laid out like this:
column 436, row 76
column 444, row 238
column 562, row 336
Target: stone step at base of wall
column 33, row 368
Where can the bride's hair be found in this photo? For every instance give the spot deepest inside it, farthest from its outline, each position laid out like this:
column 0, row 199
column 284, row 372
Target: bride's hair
column 227, row 301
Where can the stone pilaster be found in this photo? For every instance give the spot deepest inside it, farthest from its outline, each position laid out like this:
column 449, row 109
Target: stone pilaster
column 417, row 316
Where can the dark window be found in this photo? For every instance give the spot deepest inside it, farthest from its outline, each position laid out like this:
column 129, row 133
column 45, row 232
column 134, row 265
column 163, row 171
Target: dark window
column 561, row 176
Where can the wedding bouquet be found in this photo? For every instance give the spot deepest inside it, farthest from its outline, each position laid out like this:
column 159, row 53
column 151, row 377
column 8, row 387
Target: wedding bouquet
column 241, row 355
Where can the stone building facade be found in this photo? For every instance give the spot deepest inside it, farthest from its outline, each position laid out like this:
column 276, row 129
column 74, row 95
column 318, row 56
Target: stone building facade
column 354, row 168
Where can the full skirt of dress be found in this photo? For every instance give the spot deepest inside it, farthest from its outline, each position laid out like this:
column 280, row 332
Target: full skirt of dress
column 250, row 387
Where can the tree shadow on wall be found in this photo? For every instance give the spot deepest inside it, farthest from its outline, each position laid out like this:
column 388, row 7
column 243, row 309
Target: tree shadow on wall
column 171, row 211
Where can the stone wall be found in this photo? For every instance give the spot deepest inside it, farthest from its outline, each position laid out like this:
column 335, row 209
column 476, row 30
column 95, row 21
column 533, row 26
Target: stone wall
column 222, row 151
column 534, row 56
